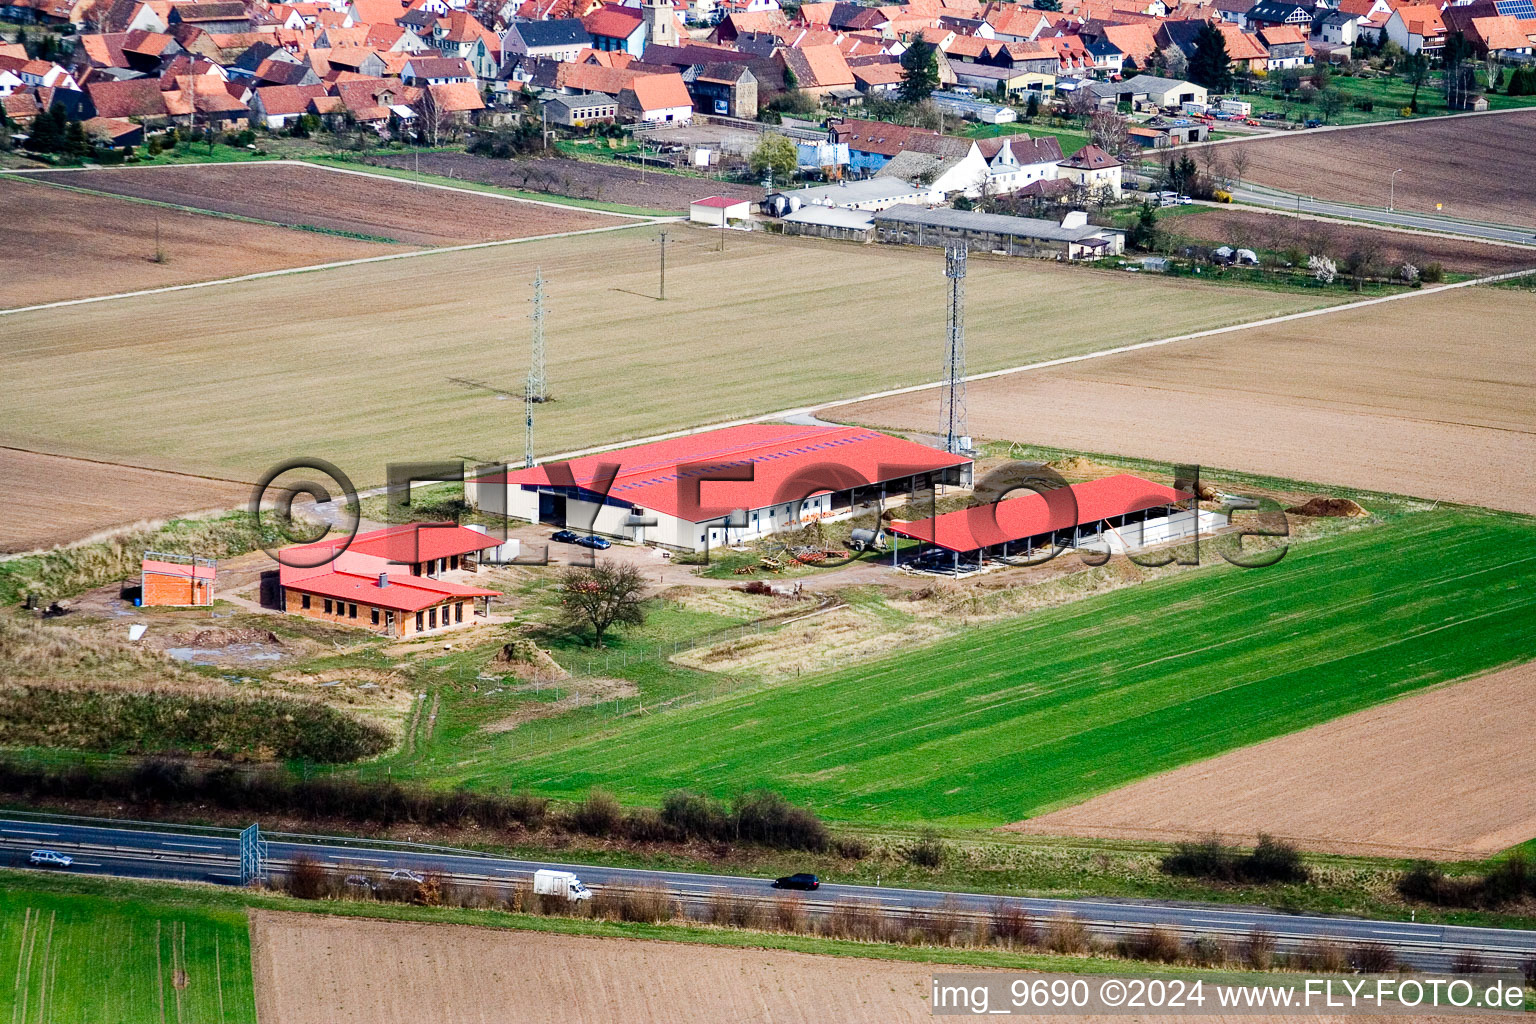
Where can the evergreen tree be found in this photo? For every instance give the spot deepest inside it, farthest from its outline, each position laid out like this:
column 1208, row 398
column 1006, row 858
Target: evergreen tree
column 47, row 135
column 919, row 71
column 1210, row 65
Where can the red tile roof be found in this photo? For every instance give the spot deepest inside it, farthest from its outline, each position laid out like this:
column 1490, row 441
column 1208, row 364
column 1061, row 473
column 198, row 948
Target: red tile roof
column 405, row 593
column 786, row 464
column 1014, row 519
column 612, row 21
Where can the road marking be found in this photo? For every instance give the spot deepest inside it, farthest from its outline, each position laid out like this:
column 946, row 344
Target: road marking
column 39, row 835
column 194, row 846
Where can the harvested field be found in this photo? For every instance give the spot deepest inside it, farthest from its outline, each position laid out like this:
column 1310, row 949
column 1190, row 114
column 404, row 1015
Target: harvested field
column 1255, row 229
column 415, row 359
column 65, row 245
column 581, row 179
column 330, row 970
column 306, row 196
column 1478, row 167
column 1430, row 395
column 53, row 500
column 1446, row 775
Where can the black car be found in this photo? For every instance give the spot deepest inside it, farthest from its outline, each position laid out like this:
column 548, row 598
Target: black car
column 803, row 880
column 564, row 537
column 1313, row 122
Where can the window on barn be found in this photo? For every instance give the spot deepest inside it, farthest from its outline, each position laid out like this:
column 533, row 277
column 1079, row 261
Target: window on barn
column 432, row 618
column 327, row 606
column 375, row 616
column 304, row 601
column 458, row 614
column 419, row 618
column 351, row 611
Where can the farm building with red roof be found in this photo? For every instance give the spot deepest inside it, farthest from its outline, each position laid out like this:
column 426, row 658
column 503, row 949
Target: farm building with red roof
column 1116, row 514
column 721, row 486
column 395, row 581
column 175, row 581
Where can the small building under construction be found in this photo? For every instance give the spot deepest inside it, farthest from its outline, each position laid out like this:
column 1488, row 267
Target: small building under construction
column 176, row 581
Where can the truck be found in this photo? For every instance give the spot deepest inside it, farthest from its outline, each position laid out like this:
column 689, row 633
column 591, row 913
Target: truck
column 560, row 883
column 1241, row 108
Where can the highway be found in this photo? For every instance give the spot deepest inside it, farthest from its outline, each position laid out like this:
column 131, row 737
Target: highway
column 176, row 853
column 1259, row 195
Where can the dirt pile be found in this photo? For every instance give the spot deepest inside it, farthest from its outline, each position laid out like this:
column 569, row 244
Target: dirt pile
column 527, row 660
column 1332, row 508
column 213, row 637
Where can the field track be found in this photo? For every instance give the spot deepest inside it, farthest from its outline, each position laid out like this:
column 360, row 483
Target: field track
column 1446, row 775
column 1432, row 395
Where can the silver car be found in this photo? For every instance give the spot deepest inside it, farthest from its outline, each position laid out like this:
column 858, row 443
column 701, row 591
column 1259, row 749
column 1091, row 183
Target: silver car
column 51, row 858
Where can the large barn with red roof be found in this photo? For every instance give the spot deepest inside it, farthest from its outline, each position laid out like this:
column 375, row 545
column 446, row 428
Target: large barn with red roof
column 721, row 486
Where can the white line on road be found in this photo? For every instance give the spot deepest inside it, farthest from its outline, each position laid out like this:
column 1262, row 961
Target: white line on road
column 40, row 835
column 194, row 846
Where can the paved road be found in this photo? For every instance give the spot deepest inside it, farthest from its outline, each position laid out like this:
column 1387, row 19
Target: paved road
column 1288, row 201
column 210, row 855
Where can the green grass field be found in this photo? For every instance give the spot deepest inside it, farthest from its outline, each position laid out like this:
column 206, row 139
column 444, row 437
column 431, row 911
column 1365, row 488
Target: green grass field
column 1388, row 94
column 89, row 958
column 415, row 359
column 1071, row 139
column 1048, row 709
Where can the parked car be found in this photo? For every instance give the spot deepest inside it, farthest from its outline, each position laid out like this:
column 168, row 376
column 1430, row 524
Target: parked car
column 565, row 536
column 1271, row 115
column 406, row 875
column 1313, row 122
column 51, row 858
column 804, row 881
column 359, row 882
column 596, row 543
column 1184, row 201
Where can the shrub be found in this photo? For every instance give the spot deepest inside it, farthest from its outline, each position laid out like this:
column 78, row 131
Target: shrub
column 695, row 815
column 1273, row 861
column 1528, row 969
column 789, row 914
column 598, row 815
column 1205, row 859
column 1157, row 945
column 1373, row 958
column 1431, row 273
column 1012, row 927
column 1468, row 962
column 645, row 825
column 850, row 847
column 1066, row 934
column 927, row 852
column 1206, row 951
column 1324, row 957
column 766, row 817
column 306, row 879
column 1257, row 950
column 851, row 919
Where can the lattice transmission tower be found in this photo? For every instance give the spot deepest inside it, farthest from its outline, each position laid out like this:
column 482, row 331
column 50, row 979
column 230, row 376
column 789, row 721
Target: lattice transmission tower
column 537, row 381
column 952, row 400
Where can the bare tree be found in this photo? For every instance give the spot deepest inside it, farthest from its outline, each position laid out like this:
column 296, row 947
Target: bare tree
column 1082, row 102
column 1239, row 157
column 1108, row 130
column 602, row 596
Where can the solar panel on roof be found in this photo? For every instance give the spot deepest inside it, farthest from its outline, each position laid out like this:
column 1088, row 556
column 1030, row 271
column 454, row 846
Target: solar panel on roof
column 1516, row 8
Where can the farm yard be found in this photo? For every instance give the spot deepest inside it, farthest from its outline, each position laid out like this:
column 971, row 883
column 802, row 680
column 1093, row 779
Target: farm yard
column 324, row 200
column 1308, row 788
column 63, row 244
column 424, row 358
column 584, row 179
column 54, row 500
column 1013, row 718
column 1477, row 167
column 1430, row 395
column 1280, row 233
column 93, row 960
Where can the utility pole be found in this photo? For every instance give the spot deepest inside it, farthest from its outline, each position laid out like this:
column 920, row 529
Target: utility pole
column 663, row 264
column 1392, row 189
column 536, row 378
column 722, row 229
column 952, row 398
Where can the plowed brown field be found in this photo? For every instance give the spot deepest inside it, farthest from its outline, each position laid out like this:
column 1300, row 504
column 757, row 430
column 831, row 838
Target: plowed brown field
column 1431, row 395
column 1446, row 774
column 65, row 245
column 331, row 970
column 315, row 197
column 54, row 500
column 1477, row 167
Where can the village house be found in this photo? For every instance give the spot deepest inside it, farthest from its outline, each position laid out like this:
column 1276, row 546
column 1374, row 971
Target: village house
column 1095, row 170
